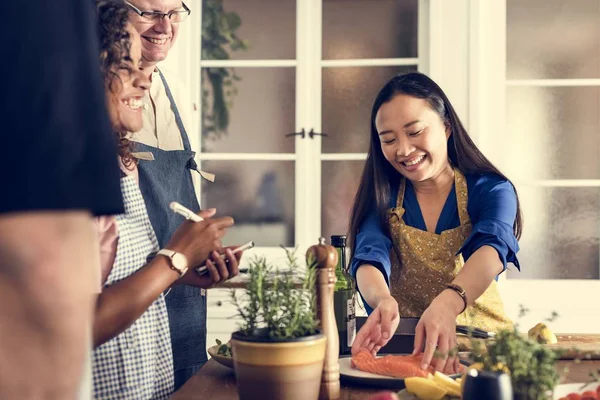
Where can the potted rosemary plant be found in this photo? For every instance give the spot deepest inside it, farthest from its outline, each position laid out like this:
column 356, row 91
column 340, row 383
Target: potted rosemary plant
column 278, row 352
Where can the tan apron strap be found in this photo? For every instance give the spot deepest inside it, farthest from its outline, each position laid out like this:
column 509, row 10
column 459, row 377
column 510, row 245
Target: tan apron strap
column 400, row 198
column 462, row 196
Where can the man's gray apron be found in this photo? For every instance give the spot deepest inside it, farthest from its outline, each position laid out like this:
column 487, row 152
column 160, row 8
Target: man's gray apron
column 165, row 179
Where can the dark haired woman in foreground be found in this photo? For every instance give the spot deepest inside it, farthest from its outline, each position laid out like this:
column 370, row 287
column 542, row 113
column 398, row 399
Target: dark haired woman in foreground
column 433, row 224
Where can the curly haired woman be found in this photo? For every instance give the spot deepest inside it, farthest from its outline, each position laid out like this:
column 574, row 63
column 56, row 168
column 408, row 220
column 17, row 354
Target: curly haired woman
column 133, row 357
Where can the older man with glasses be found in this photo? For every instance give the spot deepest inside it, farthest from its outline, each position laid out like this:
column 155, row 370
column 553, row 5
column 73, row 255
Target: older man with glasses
column 169, row 173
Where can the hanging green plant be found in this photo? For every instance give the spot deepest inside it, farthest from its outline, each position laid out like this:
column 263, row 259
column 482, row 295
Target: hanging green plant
column 219, row 38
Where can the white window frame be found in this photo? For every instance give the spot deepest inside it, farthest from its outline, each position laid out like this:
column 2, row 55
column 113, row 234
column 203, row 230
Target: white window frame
column 462, row 46
column 487, row 87
column 185, row 59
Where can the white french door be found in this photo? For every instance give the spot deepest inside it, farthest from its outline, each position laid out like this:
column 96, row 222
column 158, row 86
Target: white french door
column 289, row 161
column 524, row 76
column 536, row 78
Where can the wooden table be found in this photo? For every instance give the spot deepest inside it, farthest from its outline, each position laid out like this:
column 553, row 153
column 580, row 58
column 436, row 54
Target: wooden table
column 216, row 382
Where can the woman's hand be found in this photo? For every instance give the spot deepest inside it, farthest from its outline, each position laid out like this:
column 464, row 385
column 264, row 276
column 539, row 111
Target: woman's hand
column 219, row 270
column 437, row 329
column 379, row 327
column 197, row 240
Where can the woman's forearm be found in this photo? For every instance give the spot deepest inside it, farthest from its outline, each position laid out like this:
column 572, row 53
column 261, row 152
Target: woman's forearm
column 119, row 305
column 372, row 284
column 476, row 276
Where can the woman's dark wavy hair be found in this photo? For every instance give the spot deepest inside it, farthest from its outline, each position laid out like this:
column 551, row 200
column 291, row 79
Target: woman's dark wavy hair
column 115, row 46
column 379, row 177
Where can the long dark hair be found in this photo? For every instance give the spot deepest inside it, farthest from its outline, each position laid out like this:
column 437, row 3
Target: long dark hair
column 379, row 177
column 115, row 46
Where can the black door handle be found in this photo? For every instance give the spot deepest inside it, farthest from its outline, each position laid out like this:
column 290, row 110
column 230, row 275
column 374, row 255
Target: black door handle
column 301, row 133
column 312, row 134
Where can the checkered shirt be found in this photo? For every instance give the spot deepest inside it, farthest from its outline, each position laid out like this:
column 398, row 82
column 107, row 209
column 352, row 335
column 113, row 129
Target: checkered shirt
column 138, row 363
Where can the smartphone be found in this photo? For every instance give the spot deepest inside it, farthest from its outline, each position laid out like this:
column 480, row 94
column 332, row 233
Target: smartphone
column 203, row 269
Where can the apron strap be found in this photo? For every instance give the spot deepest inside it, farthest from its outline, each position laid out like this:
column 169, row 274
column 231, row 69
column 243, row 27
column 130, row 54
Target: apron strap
column 400, row 198
column 184, row 136
column 460, row 185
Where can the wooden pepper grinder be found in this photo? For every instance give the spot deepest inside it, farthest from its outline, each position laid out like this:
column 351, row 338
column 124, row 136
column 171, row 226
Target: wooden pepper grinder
column 326, row 259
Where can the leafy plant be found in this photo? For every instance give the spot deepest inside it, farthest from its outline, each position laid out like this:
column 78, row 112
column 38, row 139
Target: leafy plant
column 275, row 303
column 219, row 38
column 223, row 349
column 531, row 365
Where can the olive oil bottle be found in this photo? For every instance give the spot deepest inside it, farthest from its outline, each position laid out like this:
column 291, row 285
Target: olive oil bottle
column 343, row 299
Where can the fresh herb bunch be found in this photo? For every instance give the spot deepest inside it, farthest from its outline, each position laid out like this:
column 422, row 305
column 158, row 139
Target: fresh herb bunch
column 531, row 365
column 224, row 349
column 276, row 303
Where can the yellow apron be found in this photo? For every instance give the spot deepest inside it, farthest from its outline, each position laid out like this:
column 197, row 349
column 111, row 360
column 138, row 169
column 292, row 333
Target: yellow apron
column 424, row 262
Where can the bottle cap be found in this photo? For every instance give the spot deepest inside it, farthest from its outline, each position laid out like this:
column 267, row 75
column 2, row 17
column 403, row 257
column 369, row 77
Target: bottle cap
column 338, row 240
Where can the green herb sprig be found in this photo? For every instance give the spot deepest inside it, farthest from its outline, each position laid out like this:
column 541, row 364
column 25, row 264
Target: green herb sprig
column 531, row 365
column 223, row 349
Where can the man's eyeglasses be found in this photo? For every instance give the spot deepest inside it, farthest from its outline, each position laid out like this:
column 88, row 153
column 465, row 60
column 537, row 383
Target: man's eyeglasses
column 174, row 16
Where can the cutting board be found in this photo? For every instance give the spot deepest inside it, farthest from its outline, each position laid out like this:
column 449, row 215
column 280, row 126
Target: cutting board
column 573, row 346
column 577, row 346
column 583, row 346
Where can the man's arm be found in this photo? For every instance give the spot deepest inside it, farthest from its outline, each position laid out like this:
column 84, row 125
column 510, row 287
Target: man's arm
column 47, row 277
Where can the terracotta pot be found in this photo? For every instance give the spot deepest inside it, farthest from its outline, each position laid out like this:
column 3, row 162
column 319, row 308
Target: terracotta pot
column 289, row 369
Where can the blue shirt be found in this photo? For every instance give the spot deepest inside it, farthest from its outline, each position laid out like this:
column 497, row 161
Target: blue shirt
column 492, row 207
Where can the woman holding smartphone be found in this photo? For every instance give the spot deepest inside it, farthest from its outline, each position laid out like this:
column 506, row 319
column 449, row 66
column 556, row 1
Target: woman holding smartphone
column 133, row 357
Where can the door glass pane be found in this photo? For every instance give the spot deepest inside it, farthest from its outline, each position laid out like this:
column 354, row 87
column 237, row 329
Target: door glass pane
column 348, row 96
column 554, row 39
column 257, row 109
column 339, row 183
column 251, row 30
column 259, row 195
column 552, row 133
column 560, row 233
column 370, row 29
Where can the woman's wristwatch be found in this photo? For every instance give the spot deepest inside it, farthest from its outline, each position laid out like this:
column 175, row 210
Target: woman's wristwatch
column 461, row 292
column 178, row 262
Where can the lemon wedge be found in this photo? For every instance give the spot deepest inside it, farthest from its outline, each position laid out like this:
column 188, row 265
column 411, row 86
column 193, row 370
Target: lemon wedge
column 452, row 387
column 542, row 334
column 425, row 389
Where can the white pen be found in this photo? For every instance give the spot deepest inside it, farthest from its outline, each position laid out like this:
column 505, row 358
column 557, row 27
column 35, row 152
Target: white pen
column 203, row 269
column 186, row 213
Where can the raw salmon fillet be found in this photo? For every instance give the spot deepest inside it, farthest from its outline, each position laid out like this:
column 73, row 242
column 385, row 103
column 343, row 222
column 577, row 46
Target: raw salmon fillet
column 395, row 366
